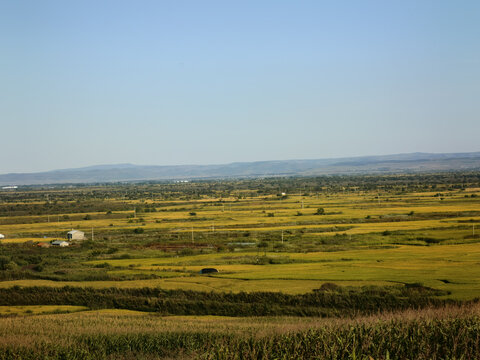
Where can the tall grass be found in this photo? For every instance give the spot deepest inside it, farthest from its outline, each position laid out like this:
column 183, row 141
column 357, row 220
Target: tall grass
column 396, row 339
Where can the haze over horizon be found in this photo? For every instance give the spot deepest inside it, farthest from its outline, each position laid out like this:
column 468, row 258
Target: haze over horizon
column 127, row 164
column 184, row 82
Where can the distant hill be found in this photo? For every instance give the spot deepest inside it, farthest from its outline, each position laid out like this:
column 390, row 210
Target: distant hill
column 400, row 163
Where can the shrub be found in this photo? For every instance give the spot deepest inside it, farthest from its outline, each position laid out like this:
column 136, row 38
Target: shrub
column 263, row 244
column 38, row 268
column 328, row 286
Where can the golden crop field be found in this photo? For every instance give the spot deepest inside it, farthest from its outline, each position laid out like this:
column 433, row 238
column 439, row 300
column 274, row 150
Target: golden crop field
column 273, row 243
column 288, row 256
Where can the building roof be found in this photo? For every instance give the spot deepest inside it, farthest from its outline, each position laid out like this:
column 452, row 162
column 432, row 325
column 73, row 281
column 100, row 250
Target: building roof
column 75, row 231
column 59, row 242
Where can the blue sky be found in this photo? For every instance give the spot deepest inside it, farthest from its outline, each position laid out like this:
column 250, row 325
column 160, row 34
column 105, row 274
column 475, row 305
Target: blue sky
column 203, row 82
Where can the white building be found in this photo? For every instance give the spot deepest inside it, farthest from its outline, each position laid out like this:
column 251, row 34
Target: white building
column 60, row 243
column 76, row 235
column 2, row 236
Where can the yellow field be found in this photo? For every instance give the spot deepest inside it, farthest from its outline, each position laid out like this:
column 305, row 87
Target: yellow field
column 25, row 239
column 251, row 215
column 357, row 252
column 39, row 309
column 454, row 268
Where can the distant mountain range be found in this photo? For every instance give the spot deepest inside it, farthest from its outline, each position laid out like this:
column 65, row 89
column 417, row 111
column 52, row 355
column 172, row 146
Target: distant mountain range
column 400, row 163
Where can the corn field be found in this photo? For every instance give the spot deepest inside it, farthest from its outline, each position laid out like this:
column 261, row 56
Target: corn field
column 396, row 339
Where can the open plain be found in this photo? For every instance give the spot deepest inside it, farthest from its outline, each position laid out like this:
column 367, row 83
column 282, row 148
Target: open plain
column 293, row 257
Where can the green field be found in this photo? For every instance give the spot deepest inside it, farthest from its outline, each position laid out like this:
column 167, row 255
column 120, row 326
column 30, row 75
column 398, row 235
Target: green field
column 340, row 247
column 162, row 235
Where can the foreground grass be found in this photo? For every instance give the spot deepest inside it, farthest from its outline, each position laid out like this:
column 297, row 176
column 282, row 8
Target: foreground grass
column 447, row 332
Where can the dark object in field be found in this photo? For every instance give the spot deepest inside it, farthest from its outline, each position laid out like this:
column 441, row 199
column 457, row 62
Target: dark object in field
column 208, row 271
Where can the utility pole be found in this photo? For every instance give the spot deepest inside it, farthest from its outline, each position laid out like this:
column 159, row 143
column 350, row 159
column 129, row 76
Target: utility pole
column 193, row 241
column 92, row 233
column 302, row 204
column 282, row 236
column 134, row 212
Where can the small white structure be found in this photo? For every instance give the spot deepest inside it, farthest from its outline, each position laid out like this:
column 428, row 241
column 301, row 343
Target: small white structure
column 2, row 236
column 60, row 243
column 76, row 235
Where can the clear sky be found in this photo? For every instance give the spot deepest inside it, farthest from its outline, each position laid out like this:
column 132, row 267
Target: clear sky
column 204, row 82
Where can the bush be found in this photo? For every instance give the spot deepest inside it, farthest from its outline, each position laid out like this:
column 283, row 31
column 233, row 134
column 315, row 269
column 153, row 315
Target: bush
column 138, row 230
column 112, row 250
column 4, row 260
column 103, row 265
column 38, row 268
column 328, row 286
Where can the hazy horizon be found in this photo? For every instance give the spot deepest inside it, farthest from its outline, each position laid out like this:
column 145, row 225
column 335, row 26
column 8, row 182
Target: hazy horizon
column 185, row 82
column 224, row 163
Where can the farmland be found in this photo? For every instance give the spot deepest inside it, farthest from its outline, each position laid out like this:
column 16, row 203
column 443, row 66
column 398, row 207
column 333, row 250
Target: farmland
column 289, row 252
